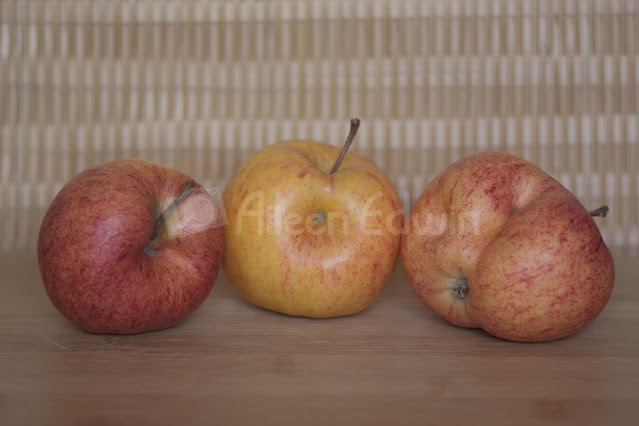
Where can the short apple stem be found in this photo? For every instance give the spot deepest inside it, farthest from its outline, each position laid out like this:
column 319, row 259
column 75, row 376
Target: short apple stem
column 347, row 144
column 160, row 219
column 601, row 211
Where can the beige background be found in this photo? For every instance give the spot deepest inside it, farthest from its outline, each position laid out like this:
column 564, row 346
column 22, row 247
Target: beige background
column 201, row 85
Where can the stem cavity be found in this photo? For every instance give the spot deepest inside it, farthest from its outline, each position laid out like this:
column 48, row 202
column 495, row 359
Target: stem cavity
column 347, row 144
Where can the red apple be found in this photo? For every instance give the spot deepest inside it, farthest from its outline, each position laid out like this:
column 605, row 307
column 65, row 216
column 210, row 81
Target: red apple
column 495, row 242
column 129, row 246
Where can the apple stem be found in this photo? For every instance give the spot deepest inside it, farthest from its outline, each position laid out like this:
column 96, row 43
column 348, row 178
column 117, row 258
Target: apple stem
column 160, row 220
column 347, row 144
column 601, row 211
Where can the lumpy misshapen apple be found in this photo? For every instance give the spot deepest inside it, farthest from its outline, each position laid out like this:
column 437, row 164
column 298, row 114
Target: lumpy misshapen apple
column 495, row 242
column 307, row 236
column 130, row 246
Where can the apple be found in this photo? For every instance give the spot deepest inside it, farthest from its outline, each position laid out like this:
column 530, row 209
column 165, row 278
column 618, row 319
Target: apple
column 129, row 246
column 311, row 231
column 495, row 242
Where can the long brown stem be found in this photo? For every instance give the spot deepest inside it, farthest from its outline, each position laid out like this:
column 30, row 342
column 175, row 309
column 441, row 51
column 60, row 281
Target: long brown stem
column 160, row 219
column 601, row 211
column 347, row 144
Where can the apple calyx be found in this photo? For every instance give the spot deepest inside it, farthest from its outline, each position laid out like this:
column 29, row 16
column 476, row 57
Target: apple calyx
column 461, row 288
column 347, row 144
column 159, row 222
column 601, row 211
column 319, row 217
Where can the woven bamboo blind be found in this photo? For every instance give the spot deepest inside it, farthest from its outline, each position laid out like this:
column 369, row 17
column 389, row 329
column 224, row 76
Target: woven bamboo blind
column 200, row 85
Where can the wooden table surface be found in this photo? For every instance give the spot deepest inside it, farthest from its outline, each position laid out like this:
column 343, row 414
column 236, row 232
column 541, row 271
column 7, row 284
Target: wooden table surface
column 231, row 363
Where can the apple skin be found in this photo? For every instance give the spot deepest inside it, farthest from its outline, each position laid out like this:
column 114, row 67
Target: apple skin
column 302, row 270
column 536, row 266
column 98, row 265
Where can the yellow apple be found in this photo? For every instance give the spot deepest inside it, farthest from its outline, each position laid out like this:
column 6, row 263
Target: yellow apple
column 311, row 231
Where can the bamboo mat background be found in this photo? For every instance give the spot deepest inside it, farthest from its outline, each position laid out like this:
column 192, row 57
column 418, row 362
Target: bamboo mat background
column 201, row 85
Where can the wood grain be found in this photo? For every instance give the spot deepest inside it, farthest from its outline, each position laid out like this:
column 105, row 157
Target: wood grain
column 231, row 363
